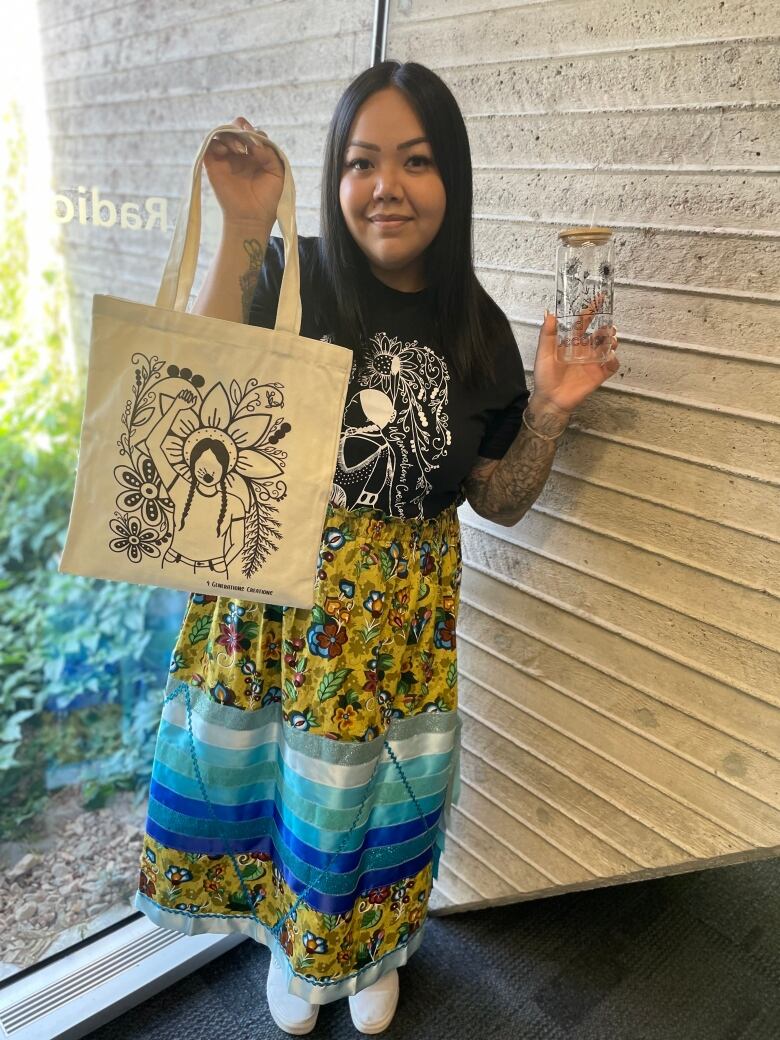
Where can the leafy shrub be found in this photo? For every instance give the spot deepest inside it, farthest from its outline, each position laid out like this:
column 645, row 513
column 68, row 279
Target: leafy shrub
column 76, row 685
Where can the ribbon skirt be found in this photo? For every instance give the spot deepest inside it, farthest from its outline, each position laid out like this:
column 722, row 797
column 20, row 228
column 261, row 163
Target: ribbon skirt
column 306, row 760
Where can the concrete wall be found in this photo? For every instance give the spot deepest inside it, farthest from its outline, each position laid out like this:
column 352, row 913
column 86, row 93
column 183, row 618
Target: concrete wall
column 619, row 646
column 133, row 88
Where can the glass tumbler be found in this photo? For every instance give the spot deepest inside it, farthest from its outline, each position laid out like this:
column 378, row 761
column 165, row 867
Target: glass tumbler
column 584, row 267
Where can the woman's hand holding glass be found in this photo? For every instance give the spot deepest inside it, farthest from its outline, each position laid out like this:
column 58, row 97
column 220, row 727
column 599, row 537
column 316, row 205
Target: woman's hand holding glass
column 564, row 386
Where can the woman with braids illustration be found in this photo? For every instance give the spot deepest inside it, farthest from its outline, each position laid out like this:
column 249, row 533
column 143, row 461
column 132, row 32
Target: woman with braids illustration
column 208, row 524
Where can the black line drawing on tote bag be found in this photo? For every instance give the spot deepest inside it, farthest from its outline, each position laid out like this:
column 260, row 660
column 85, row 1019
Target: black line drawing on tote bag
column 204, row 470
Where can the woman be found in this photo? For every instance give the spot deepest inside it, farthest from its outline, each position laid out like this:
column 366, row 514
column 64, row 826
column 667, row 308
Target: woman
column 303, row 796
column 202, row 497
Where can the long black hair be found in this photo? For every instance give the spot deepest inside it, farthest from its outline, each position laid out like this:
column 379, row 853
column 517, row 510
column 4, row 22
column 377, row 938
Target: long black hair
column 468, row 320
column 223, row 458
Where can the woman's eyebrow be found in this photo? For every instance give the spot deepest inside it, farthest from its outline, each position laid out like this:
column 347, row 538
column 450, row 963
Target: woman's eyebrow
column 376, row 148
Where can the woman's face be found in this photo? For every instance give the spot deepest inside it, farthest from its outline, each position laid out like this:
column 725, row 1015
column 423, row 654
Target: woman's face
column 379, row 177
column 208, row 469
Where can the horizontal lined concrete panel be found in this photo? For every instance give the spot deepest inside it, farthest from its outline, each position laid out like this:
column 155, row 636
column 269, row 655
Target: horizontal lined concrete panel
column 622, row 637
column 664, row 75
column 510, row 845
column 705, row 380
column 691, row 797
column 453, row 888
column 205, row 32
column 407, row 11
column 718, row 200
column 544, row 835
column 56, row 16
column 745, row 446
column 697, row 490
column 737, row 136
column 639, row 711
column 743, row 558
column 311, row 101
column 713, row 600
column 250, row 68
column 732, row 263
column 673, row 315
column 486, row 600
column 485, row 28
column 730, row 659
column 642, row 807
column 501, row 869
column 512, row 804
column 302, row 142
column 467, row 851
column 135, row 183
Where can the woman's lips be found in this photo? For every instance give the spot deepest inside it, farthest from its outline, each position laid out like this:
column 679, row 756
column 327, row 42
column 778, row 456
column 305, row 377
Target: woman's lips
column 389, row 225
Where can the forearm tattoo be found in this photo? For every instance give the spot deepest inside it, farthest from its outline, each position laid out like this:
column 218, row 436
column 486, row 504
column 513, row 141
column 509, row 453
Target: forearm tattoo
column 255, row 251
column 505, row 491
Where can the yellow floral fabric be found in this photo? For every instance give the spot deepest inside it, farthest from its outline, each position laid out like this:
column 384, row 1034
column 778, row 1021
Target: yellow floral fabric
column 378, row 645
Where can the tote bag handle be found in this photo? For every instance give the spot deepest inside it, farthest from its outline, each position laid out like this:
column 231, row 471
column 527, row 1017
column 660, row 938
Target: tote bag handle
column 182, row 261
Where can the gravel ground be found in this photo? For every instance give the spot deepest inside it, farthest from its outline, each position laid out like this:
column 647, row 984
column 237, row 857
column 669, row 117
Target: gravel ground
column 76, row 874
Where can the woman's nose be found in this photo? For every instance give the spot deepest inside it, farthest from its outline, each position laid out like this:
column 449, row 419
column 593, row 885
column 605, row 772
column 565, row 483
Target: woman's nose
column 386, row 186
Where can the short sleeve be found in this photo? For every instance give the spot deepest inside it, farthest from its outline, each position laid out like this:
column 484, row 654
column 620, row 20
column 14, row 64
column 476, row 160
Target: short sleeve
column 269, row 282
column 504, row 421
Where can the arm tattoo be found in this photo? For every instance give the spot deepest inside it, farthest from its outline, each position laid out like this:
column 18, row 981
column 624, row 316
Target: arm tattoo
column 255, row 251
column 504, row 490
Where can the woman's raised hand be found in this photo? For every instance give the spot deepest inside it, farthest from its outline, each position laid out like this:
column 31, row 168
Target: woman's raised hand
column 566, row 386
column 184, row 399
column 247, row 178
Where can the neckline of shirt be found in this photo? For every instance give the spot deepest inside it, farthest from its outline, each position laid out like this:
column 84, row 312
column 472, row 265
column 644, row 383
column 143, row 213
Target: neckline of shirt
column 396, row 295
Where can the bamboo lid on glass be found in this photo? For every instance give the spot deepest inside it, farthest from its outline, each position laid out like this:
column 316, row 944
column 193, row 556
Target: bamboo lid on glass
column 580, row 235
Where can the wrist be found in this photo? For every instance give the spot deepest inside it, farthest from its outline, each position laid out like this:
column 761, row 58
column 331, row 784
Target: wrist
column 548, row 412
column 251, row 227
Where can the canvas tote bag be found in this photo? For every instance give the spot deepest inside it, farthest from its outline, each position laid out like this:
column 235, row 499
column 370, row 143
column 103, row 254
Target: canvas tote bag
column 208, row 447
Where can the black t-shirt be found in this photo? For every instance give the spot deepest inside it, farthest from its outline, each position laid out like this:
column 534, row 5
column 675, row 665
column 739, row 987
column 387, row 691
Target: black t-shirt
column 411, row 431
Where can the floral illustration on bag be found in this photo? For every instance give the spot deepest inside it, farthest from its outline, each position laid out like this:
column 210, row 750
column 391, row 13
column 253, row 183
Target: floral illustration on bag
column 394, row 429
column 204, row 470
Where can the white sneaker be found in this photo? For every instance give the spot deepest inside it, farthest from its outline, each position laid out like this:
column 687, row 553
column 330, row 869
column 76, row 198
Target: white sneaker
column 372, row 1009
column 292, row 1014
